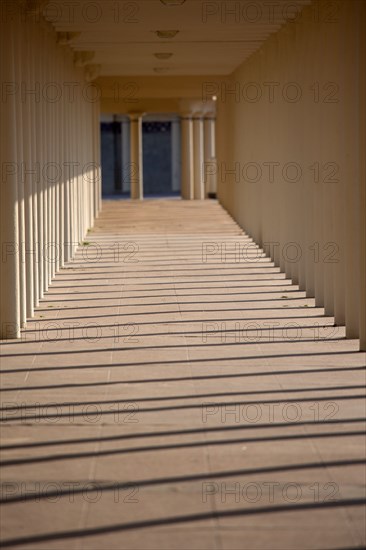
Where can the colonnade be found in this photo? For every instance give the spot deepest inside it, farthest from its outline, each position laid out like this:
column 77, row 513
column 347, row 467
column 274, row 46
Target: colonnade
column 291, row 165
column 198, row 155
column 193, row 155
column 50, row 162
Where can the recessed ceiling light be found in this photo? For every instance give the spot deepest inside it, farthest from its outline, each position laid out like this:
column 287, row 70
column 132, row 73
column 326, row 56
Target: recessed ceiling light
column 163, row 55
column 214, row 98
column 167, row 34
column 161, row 69
column 172, row 2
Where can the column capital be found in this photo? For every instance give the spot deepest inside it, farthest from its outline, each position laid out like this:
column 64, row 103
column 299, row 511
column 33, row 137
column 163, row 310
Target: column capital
column 198, row 116
column 92, row 72
column 66, row 38
column 135, row 116
column 82, row 58
column 185, row 114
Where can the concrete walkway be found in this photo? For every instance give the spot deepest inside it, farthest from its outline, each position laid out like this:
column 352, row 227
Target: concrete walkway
column 176, row 391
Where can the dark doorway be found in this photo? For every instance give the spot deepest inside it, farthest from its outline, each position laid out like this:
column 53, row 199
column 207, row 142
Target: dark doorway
column 111, row 158
column 161, row 156
column 157, row 155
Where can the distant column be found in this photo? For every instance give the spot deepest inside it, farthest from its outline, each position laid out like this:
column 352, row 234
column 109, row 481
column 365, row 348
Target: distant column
column 9, row 228
column 136, row 168
column 187, row 158
column 126, row 155
column 210, row 156
column 199, row 191
column 117, row 154
column 175, row 143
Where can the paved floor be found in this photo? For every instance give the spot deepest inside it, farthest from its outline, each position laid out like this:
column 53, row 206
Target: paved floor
column 171, row 395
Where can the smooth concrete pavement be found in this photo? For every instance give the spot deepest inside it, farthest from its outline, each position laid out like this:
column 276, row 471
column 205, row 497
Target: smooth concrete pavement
column 176, row 391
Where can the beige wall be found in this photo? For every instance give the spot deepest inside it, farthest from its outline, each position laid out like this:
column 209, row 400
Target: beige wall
column 156, row 94
column 313, row 129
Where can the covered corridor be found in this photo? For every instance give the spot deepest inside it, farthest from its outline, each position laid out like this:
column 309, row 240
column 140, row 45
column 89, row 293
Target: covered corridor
column 185, row 372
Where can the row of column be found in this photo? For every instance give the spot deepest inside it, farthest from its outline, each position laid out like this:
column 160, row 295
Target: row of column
column 294, row 178
column 50, row 163
column 198, row 156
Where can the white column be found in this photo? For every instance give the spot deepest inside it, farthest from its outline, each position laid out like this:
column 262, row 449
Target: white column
column 362, row 168
column 136, row 168
column 61, row 149
column 43, row 155
column 30, row 212
column 96, row 147
column 18, row 37
column 9, row 233
column 79, row 177
column 210, row 156
column 99, row 163
column 187, row 189
column 90, row 163
column 34, row 131
column 198, row 142
column 68, row 173
column 53, row 179
column 126, row 154
column 57, row 138
column 175, row 158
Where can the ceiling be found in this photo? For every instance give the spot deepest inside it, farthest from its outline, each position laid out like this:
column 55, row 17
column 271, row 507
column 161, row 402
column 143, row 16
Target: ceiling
column 214, row 37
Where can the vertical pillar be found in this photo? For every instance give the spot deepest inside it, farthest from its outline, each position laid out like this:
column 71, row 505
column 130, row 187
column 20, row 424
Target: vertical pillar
column 18, row 58
column 57, row 136
column 317, row 246
column 79, row 176
column 187, row 158
column 96, row 147
column 117, row 154
column 91, row 164
column 9, row 232
column 199, row 192
column 362, row 171
column 75, row 183
column 351, row 166
column 62, row 158
column 126, row 155
column 67, row 184
column 53, row 177
column 98, row 153
column 30, row 211
column 210, row 156
column 175, row 145
column 43, row 156
column 33, row 106
column 136, row 168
